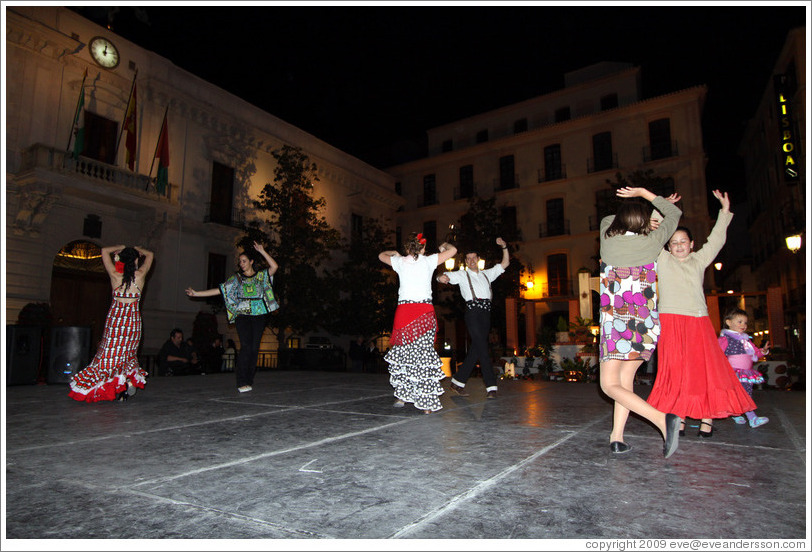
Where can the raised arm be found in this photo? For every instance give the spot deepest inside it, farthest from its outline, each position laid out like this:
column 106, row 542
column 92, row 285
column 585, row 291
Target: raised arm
column 386, row 256
column 505, row 254
column 446, row 252
column 106, row 252
column 718, row 235
column 148, row 257
column 272, row 266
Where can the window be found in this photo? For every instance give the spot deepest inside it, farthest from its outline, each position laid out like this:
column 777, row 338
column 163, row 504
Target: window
column 552, row 163
column 222, row 193
column 562, row 114
column 447, row 146
column 429, row 189
column 659, row 135
column 557, row 274
column 507, row 174
column 609, row 102
column 602, row 150
column 356, row 229
column 508, row 225
column 555, row 217
column 520, row 126
column 215, row 275
column 482, row 136
column 430, row 233
column 100, row 138
column 466, row 181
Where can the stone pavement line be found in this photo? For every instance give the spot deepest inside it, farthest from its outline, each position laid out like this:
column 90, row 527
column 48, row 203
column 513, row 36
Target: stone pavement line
column 248, row 459
column 795, row 439
column 488, row 483
column 226, row 513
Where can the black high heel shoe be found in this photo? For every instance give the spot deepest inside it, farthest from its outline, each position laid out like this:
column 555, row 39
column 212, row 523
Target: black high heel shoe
column 705, row 434
column 682, row 430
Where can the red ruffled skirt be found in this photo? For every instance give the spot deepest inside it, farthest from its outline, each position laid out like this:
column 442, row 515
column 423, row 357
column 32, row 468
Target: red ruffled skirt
column 694, row 377
column 115, row 365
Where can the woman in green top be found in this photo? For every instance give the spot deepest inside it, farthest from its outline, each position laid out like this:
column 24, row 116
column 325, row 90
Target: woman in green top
column 249, row 297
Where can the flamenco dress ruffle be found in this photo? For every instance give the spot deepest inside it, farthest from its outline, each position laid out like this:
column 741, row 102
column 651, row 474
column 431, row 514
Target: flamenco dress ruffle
column 415, row 368
column 115, row 365
column 694, row 378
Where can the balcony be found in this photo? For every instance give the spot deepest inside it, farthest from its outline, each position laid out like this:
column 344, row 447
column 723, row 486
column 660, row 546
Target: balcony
column 235, row 219
column 660, row 151
column 551, row 229
column 426, row 201
column 557, row 288
column 501, row 184
column 597, row 164
column 465, row 192
column 552, row 173
column 40, row 156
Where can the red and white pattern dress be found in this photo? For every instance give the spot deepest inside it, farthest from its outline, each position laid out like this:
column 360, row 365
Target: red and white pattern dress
column 115, row 365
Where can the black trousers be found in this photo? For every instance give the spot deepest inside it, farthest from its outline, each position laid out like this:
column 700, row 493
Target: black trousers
column 250, row 329
column 478, row 322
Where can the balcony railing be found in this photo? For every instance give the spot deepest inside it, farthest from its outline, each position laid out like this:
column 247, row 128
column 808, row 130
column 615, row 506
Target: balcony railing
column 552, row 173
column 426, row 201
column 45, row 157
column 465, row 193
column 557, row 228
column 236, row 218
column 660, row 151
column 499, row 184
column 559, row 288
column 601, row 163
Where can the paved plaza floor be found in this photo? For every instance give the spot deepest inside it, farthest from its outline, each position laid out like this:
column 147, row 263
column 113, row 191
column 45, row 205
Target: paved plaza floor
column 324, row 455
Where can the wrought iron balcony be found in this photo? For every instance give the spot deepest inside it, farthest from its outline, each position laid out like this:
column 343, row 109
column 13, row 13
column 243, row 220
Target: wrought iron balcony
column 465, row 192
column 236, row 218
column 549, row 174
column 660, row 151
column 500, row 184
column 556, row 228
column 605, row 163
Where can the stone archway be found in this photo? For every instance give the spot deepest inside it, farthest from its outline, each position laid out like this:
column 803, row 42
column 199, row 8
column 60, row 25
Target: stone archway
column 80, row 288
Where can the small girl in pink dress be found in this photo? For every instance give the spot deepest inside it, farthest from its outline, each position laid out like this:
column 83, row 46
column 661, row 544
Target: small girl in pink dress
column 742, row 353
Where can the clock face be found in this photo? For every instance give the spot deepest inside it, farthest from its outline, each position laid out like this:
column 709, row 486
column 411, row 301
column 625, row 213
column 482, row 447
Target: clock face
column 103, row 52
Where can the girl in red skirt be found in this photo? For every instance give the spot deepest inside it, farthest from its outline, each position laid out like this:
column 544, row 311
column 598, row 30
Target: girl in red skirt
column 414, row 366
column 114, row 373
column 694, row 378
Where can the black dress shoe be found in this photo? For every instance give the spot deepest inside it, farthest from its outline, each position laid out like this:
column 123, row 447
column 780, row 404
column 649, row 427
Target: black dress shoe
column 705, row 434
column 672, row 423
column 458, row 390
column 618, row 447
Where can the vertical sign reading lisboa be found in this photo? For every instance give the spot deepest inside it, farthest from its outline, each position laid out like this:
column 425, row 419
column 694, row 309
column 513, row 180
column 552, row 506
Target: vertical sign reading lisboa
column 786, row 129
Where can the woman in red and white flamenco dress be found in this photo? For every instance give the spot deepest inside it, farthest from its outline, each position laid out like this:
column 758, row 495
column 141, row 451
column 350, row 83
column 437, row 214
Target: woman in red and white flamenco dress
column 114, row 373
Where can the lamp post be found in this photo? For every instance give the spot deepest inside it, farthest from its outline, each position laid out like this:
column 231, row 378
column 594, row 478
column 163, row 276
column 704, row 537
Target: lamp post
column 794, row 242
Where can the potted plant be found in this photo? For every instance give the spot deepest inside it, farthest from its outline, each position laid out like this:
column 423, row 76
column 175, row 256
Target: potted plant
column 580, row 330
column 588, row 353
column 562, row 335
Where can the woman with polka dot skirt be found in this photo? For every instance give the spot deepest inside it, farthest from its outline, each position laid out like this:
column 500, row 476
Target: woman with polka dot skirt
column 629, row 244
column 415, row 368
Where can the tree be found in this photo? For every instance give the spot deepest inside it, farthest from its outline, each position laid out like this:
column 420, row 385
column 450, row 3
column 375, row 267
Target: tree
column 300, row 240
column 368, row 287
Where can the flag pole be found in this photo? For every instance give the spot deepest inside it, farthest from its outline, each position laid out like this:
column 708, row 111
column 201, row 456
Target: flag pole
column 126, row 111
column 76, row 112
column 157, row 145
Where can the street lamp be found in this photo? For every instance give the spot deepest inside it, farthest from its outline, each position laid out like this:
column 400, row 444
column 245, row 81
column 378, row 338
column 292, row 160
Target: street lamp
column 794, row 242
column 449, row 264
column 717, row 266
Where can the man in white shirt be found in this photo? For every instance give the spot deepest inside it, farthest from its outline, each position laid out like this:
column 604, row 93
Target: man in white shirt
column 475, row 287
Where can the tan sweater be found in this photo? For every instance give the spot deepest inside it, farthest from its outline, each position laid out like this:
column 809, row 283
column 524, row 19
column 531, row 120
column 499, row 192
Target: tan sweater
column 639, row 249
column 679, row 285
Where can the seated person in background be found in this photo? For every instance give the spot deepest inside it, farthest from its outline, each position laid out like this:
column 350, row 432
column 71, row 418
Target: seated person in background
column 175, row 356
column 197, row 365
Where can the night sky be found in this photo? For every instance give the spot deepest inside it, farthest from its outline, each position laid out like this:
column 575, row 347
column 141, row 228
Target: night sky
column 371, row 79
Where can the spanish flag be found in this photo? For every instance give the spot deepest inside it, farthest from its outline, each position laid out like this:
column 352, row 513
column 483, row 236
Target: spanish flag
column 162, row 154
column 130, row 122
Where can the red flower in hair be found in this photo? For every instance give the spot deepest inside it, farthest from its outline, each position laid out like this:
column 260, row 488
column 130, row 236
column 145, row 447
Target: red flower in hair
column 421, row 239
column 119, row 267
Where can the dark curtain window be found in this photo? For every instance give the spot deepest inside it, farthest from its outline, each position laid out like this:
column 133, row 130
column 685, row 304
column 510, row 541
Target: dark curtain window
column 100, row 138
column 447, row 146
column 557, row 274
column 519, row 126
column 429, row 189
column 507, row 172
column 609, row 102
column 659, row 135
column 222, row 193
column 552, row 162
column 467, row 181
column 602, row 150
column 555, row 217
column 482, row 136
column 509, row 226
column 562, row 114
